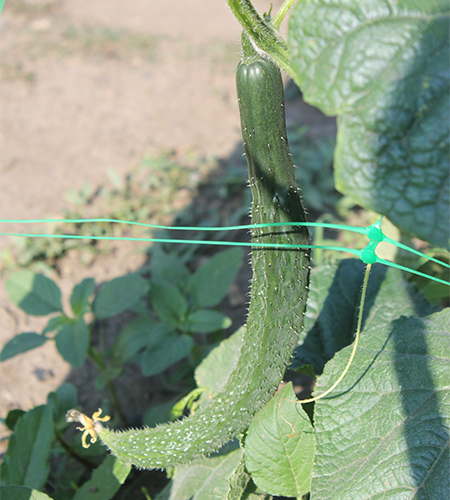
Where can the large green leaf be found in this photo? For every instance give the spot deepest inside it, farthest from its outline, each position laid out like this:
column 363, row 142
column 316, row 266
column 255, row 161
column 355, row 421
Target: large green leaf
column 105, row 481
column 34, row 293
column 279, row 447
column 210, row 283
column 383, row 67
column 72, row 342
column 119, row 294
column 21, row 493
column 21, row 343
column 205, row 479
column 385, row 431
column 333, row 304
column 214, row 370
column 26, row 462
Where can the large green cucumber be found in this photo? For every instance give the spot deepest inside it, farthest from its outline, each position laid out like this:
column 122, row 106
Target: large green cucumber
column 278, row 294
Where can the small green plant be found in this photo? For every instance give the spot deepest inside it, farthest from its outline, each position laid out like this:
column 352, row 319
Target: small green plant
column 175, row 319
column 181, row 310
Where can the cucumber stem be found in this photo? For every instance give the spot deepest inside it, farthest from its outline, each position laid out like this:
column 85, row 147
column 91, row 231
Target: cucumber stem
column 264, row 35
column 281, row 14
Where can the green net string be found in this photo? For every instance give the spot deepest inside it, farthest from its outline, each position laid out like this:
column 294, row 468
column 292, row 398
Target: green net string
column 368, row 254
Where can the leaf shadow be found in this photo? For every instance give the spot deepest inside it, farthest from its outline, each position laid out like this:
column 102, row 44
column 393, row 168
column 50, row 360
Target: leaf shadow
column 425, row 429
column 335, row 326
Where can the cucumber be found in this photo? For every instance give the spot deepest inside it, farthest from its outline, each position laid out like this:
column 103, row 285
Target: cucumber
column 278, row 294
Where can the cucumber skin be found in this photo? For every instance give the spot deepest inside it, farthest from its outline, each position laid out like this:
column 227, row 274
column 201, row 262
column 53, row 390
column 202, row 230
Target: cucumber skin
column 280, row 278
column 278, row 294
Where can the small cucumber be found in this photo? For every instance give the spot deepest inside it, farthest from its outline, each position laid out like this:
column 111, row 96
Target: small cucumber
column 278, row 295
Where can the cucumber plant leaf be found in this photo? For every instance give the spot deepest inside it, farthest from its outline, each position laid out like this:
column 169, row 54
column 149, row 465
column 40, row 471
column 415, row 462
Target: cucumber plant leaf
column 383, row 68
column 333, row 303
column 280, row 459
column 26, row 462
column 34, row 293
column 207, row 478
column 385, row 431
column 214, row 370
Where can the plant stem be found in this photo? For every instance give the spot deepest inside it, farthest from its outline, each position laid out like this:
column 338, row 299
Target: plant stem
column 97, row 358
column 73, row 453
column 115, row 402
column 281, row 14
column 264, row 36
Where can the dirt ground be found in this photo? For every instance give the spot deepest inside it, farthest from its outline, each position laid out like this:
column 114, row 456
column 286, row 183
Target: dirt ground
column 87, row 86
